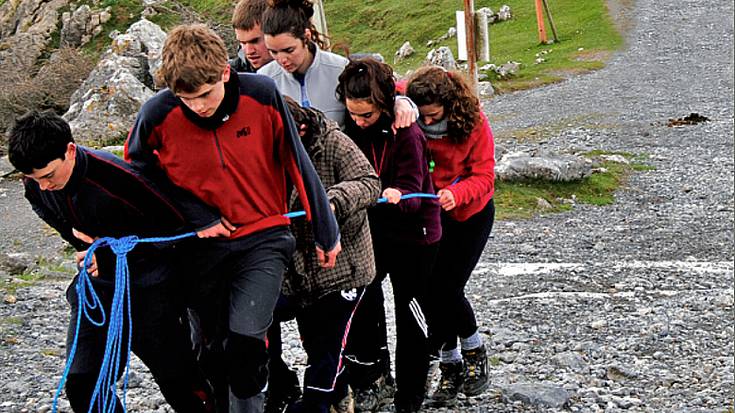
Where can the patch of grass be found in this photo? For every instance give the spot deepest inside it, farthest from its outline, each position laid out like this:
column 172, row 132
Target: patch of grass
column 124, row 13
column 50, row 352
column 15, row 321
column 215, row 10
column 36, row 273
column 520, row 200
column 494, row 361
column 383, row 25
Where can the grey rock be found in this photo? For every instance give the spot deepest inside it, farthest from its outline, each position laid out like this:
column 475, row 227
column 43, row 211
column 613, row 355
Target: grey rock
column 537, row 394
column 442, row 57
column 405, row 51
column 6, row 167
column 15, row 263
column 106, row 104
column 524, row 165
column 26, row 29
column 570, row 360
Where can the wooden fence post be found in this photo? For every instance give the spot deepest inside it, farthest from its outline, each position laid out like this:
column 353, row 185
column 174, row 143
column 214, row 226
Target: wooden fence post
column 540, row 22
column 469, row 22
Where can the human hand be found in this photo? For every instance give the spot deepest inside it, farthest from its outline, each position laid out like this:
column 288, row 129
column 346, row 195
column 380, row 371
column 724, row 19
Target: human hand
column 79, row 260
column 82, row 236
column 405, row 115
column 328, row 259
column 446, row 199
column 223, row 229
column 392, row 195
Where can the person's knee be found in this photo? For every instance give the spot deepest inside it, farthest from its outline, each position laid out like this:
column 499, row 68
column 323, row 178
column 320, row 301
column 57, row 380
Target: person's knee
column 247, row 370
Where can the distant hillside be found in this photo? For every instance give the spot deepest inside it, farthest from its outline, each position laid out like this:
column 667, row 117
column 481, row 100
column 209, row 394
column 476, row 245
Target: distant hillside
column 32, row 33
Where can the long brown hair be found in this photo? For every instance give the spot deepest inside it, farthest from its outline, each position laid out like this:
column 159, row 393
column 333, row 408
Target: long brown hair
column 434, row 85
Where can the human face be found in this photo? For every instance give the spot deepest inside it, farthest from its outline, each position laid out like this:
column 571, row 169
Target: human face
column 55, row 175
column 432, row 113
column 252, row 43
column 206, row 99
column 291, row 53
column 364, row 113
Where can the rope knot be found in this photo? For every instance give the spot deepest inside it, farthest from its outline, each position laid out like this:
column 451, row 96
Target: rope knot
column 122, row 246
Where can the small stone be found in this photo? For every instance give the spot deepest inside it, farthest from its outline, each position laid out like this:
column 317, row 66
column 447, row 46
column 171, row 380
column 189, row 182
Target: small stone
column 10, row 299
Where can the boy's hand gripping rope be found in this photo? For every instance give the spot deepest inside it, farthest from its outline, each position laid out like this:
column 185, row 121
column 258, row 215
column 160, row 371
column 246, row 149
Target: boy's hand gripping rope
column 105, row 391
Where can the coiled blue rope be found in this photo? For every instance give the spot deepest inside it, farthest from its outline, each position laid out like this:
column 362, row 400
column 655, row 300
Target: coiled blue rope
column 105, row 391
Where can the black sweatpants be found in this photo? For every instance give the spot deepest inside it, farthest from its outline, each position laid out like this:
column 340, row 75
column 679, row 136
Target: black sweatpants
column 409, row 266
column 237, row 286
column 159, row 339
column 450, row 313
column 324, row 327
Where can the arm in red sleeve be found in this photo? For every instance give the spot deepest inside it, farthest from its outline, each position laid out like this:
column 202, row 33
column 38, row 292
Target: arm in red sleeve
column 480, row 178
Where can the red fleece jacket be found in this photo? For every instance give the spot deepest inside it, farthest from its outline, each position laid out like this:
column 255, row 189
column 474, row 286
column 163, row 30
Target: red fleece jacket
column 472, row 162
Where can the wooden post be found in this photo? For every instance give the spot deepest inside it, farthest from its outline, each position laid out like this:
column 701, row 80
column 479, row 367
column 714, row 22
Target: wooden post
column 483, row 38
column 469, row 22
column 551, row 21
column 540, row 22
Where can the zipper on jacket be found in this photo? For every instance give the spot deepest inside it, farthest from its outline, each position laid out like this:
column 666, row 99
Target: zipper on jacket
column 219, row 150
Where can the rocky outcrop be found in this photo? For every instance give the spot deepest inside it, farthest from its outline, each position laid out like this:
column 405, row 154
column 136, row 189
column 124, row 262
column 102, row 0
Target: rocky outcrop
column 103, row 109
column 80, row 26
column 442, row 57
column 26, row 29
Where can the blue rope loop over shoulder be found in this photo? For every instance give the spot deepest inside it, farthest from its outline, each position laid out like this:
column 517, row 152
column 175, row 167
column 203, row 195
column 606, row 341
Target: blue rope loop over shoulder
column 105, row 392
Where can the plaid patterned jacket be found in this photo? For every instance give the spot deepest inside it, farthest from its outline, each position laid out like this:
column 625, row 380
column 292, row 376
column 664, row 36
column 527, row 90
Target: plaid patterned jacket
column 352, row 185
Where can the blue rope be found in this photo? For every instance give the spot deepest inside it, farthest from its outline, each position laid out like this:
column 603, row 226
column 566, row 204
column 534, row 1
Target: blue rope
column 105, row 391
column 381, row 200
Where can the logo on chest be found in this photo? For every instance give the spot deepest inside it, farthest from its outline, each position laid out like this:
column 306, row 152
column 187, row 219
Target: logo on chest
column 243, row 132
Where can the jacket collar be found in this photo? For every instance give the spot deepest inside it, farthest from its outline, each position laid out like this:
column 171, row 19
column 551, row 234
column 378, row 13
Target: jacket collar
column 225, row 109
column 79, row 171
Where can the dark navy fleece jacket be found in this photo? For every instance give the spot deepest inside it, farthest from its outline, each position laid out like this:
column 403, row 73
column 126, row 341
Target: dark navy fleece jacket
column 106, row 197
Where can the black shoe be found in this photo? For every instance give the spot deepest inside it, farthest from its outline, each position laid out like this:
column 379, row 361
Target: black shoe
column 476, row 379
column 408, row 406
column 283, row 388
column 379, row 394
column 452, row 376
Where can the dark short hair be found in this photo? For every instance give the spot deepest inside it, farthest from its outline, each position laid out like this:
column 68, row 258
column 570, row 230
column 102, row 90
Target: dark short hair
column 36, row 139
column 369, row 80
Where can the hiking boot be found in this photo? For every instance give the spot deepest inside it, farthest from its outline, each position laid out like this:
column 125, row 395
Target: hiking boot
column 476, row 379
column 346, row 405
column 452, row 375
column 283, row 388
column 379, row 394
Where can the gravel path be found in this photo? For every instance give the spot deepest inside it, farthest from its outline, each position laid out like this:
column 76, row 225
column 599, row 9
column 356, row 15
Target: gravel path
column 624, row 307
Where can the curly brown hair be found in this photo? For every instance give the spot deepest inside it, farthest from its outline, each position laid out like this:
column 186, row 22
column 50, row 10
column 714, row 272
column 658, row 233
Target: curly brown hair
column 434, row 85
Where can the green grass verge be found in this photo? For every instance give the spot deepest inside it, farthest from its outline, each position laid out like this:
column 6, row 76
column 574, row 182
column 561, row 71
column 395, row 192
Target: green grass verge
column 586, row 32
column 520, row 200
column 383, row 25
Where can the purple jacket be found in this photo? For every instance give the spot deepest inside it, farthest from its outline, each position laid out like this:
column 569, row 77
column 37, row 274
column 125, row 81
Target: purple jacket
column 400, row 161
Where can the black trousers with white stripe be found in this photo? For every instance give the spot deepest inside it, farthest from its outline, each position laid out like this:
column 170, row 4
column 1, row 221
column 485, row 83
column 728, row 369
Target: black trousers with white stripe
column 409, row 266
